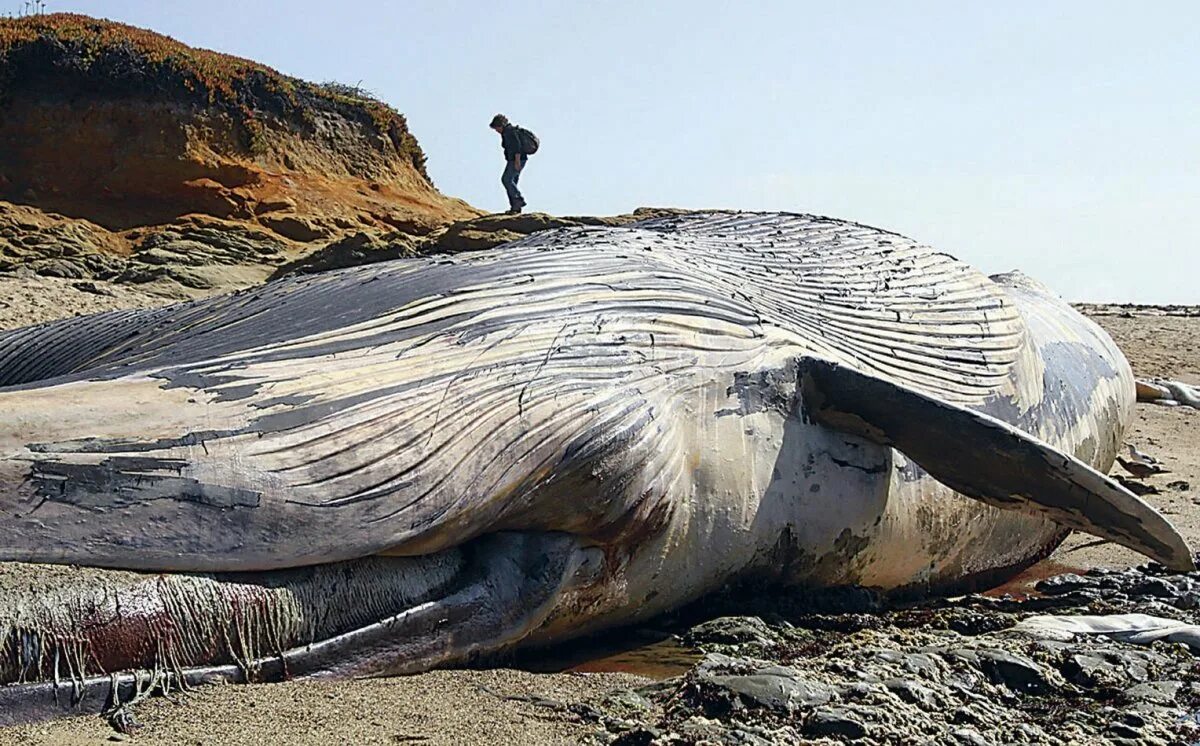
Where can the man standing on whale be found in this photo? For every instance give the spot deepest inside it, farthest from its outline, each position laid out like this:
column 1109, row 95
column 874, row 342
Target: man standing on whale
column 518, row 143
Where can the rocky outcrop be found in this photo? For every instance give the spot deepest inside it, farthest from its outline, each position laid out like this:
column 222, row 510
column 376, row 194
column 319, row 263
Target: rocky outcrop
column 351, row 251
column 114, row 134
column 492, row 230
column 479, row 233
column 955, row 672
column 56, row 246
column 192, row 255
column 197, row 255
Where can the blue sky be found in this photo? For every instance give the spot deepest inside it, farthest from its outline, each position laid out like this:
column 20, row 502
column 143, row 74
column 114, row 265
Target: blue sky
column 1061, row 138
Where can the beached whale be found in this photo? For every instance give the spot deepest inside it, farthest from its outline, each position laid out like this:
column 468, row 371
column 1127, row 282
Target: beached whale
column 405, row 465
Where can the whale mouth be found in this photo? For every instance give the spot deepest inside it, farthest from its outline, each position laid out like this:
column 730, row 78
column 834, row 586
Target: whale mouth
column 83, row 639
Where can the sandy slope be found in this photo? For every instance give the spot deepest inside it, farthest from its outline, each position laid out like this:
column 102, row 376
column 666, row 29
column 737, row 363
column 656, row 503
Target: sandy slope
column 462, row 707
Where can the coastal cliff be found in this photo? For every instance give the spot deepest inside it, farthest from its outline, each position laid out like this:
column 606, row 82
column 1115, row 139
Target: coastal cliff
column 126, row 155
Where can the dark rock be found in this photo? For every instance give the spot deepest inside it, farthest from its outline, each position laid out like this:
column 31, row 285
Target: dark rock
column 1014, row 671
column 774, row 691
column 626, row 701
column 1160, row 587
column 912, row 692
column 295, row 228
column 1155, row 692
column 836, row 722
column 91, row 287
column 643, row 736
column 1120, row 730
column 1065, row 583
column 968, row 737
column 729, row 630
column 970, row 622
column 1090, row 670
column 493, row 230
column 776, row 688
column 59, row 268
column 1133, row 720
column 352, row 251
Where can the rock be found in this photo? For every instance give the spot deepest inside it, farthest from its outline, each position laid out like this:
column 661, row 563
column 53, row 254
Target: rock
column 91, row 287
column 736, row 683
column 729, row 630
column 626, row 701
column 295, row 228
column 907, row 676
column 835, row 721
column 489, row 231
column 466, row 239
column 1120, row 730
column 643, row 736
column 1158, row 587
column 1090, row 670
column 191, row 277
column 1155, row 692
column 1065, row 583
column 969, row 737
column 773, row 690
column 912, row 692
column 1014, row 671
column 351, row 251
column 59, row 268
column 274, row 205
column 703, row 730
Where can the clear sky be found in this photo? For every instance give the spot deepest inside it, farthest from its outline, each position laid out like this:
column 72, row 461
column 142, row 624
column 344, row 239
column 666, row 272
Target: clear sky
column 1060, row 138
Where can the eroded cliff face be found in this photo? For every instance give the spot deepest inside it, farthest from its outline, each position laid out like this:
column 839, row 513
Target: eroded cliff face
column 125, row 154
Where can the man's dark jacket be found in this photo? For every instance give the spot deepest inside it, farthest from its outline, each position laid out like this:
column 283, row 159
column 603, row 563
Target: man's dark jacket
column 510, row 142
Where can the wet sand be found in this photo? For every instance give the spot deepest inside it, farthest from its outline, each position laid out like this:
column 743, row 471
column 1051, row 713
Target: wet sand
column 500, row 706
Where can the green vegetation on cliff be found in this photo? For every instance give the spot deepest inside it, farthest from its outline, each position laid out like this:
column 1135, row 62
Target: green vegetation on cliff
column 66, row 54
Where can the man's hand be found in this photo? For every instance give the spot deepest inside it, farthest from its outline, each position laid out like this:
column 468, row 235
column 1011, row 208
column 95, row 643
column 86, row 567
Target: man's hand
column 517, row 163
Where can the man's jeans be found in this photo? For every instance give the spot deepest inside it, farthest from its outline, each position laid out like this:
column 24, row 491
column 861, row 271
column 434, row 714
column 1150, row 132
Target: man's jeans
column 509, row 180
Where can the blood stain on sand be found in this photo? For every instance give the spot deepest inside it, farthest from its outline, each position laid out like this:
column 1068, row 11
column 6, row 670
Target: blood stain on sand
column 1022, row 586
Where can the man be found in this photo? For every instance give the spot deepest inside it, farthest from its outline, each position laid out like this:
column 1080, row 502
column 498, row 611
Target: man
column 514, row 160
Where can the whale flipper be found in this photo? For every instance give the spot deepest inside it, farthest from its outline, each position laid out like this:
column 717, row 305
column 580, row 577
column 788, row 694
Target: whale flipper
column 988, row 459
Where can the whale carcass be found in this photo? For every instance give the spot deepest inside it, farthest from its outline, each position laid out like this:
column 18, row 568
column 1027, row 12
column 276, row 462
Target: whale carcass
column 410, row 464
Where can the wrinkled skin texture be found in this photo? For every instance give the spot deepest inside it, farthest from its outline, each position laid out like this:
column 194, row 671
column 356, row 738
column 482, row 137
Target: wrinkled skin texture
column 575, row 431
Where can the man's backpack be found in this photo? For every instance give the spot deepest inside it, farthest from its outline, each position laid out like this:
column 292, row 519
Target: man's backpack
column 527, row 141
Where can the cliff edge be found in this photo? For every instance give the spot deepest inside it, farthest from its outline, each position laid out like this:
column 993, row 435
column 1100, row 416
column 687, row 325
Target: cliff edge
column 127, row 155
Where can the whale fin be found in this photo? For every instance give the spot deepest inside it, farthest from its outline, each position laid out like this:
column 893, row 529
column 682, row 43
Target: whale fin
column 988, row 459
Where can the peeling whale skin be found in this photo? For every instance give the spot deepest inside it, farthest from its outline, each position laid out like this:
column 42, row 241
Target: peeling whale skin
column 578, row 430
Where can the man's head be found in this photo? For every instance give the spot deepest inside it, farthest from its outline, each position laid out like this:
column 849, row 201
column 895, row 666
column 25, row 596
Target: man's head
column 499, row 122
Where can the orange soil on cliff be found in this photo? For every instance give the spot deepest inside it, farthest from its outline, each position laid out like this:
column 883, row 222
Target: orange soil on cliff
column 128, row 128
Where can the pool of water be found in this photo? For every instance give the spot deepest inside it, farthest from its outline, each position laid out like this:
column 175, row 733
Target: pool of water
column 655, row 655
